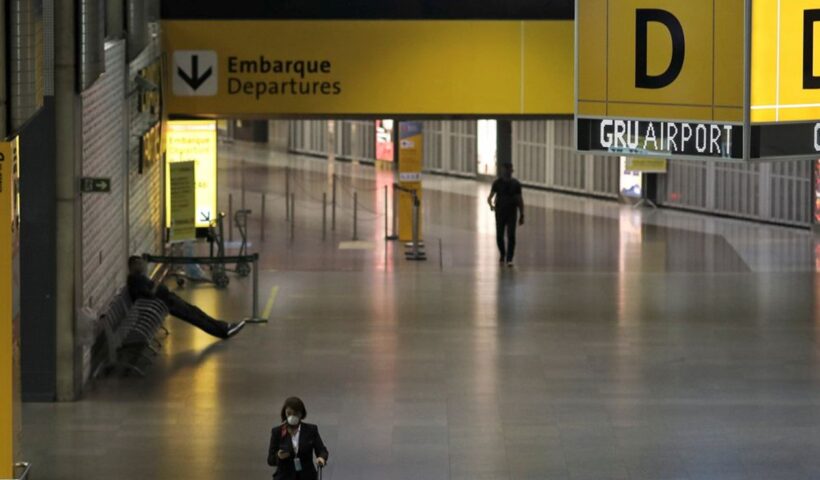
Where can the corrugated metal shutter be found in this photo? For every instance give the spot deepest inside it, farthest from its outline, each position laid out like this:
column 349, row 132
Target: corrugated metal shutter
column 355, row 139
column 309, row 137
column 791, row 190
column 145, row 187
column 104, row 155
column 433, row 155
column 544, row 156
column 26, row 60
column 778, row 192
column 451, row 147
column 463, row 158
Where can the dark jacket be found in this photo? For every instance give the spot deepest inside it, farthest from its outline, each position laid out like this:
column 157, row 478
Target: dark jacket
column 310, row 443
column 140, row 286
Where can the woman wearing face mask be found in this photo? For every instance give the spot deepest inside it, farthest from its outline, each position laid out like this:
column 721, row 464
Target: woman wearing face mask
column 293, row 444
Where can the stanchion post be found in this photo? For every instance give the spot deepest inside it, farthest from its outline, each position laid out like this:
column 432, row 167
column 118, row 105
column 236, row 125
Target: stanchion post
column 440, row 256
column 416, row 253
column 262, row 220
column 255, row 307
column 355, row 216
column 242, row 180
column 324, row 216
column 395, row 234
column 255, row 313
column 333, row 208
column 292, row 214
column 386, row 232
column 415, row 225
column 287, row 193
column 230, row 217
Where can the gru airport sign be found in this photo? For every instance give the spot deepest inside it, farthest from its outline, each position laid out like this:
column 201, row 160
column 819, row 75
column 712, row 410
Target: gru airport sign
column 223, row 68
column 721, row 79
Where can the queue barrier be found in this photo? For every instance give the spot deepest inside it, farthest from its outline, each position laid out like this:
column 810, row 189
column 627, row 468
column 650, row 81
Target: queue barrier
column 416, row 252
column 253, row 259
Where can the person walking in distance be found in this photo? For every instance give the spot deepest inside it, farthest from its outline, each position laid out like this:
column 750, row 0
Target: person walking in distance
column 508, row 203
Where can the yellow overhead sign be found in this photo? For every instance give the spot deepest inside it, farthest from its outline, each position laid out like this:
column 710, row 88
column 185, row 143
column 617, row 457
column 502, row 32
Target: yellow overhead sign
column 785, row 60
column 661, row 59
column 194, row 141
column 235, row 68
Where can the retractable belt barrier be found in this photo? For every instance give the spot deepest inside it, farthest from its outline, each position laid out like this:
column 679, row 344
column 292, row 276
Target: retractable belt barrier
column 416, row 253
column 252, row 258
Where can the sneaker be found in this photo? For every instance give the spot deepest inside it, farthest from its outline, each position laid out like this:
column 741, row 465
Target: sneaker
column 510, row 264
column 234, row 328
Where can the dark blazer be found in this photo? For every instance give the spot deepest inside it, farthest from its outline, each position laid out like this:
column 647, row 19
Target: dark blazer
column 309, row 443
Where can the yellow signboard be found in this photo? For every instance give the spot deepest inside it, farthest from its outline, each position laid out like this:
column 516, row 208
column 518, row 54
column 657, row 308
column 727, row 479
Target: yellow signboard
column 9, row 221
column 235, row 68
column 411, row 148
column 646, row 165
column 194, row 141
column 661, row 59
column 785, row 60
column 183, row 201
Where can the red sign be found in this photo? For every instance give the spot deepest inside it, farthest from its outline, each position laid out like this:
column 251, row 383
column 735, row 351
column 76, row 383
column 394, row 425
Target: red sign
column 384, row 140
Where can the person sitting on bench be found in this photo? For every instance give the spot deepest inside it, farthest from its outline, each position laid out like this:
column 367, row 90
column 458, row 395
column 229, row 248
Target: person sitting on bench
column 140, row 286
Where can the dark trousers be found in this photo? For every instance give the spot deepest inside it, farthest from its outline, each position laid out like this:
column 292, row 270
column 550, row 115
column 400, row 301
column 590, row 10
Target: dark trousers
column 196, row 317
column 505, row 225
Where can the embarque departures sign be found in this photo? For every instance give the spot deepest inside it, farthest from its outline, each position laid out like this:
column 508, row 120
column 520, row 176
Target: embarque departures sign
column 720, row 79
column 230, row 68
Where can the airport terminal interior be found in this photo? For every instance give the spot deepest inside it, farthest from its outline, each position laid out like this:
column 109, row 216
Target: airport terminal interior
column 262, row 239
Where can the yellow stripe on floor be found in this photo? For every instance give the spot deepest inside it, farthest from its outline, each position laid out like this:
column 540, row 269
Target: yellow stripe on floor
column 274, row 292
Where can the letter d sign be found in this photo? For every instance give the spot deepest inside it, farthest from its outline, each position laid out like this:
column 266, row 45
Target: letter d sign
column 642, row 77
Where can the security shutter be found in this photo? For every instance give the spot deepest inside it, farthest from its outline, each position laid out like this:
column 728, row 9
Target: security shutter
column 777, row 192
column 451, row 147
column 463, row 158
column 144, row 178
column 104, row 155
column 544, row 156
column 433, row 156
column 356, row 140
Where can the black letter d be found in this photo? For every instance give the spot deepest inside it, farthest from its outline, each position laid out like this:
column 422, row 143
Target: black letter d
column 810, row 17
column 642, row 78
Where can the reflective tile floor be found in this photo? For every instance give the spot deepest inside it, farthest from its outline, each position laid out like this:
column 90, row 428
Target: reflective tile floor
column 624, row 345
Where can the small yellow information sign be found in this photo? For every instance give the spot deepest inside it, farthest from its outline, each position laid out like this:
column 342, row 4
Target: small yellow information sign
column 194, row 141
column 183, row 201
column 411, row 148
column 646, row 165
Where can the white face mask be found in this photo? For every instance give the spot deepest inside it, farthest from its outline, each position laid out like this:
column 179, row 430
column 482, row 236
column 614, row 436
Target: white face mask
column 293, row 420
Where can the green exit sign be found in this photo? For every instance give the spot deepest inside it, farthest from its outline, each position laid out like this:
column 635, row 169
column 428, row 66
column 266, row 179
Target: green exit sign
column 95, row 185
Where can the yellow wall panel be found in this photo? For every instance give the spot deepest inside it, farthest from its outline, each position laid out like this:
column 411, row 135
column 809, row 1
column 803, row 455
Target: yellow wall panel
column 548, row 67
column 592, row 40
column 728, row 54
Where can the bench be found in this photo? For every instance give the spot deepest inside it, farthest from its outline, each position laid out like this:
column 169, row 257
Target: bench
column 132, row 333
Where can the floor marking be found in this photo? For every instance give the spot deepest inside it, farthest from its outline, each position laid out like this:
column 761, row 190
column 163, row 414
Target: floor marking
column 271, row 300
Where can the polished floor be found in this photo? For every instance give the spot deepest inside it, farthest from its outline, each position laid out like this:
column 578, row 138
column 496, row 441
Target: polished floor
column 626, row 344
